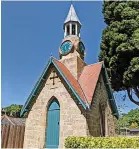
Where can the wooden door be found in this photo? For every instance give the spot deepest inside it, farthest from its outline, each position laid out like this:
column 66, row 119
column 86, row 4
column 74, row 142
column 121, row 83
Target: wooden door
column 53, row 119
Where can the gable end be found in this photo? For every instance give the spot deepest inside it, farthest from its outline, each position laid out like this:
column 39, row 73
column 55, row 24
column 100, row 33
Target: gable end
column 41, row 79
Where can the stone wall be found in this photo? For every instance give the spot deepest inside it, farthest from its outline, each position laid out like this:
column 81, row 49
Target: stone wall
column 109, row 118
column 72, row 121
column 74, row 60
column 93, row 116
column 75, row 65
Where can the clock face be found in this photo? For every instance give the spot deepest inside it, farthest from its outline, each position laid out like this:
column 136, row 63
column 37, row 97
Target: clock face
column 66, row 47
column 81, row 48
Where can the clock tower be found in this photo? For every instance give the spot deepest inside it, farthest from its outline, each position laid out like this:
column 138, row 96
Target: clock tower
column 70, row 98
column 72, row 49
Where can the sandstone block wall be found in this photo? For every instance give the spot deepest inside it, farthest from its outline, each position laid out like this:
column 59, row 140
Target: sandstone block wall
column 93, row 116
column 74, row 64
column 109, row 118
column 72, row 121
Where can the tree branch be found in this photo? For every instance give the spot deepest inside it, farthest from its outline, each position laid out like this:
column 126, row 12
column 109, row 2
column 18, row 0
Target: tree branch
column 136, row 91
column 131, row 98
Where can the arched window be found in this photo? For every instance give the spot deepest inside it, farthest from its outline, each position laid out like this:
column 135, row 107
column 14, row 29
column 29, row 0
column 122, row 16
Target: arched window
column 73, row 29
column 68, row 30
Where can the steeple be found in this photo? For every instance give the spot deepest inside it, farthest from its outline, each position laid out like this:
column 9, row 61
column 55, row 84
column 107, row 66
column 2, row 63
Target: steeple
column 72, row 49
column 72, row 16
column 72, row 23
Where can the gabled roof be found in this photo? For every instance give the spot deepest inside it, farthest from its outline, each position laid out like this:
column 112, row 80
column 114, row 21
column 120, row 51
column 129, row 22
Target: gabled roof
column 89, row 78
column 73, row 82
column 68, row 78
column 72, row 16
column 12, row 121
column 83, row 89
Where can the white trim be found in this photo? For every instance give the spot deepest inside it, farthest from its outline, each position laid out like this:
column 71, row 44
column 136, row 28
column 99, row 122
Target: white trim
column 65, row 33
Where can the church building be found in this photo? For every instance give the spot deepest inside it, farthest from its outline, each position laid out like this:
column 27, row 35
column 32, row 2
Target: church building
column 70, row 98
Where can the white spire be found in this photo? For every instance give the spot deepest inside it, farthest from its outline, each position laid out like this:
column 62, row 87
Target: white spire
column 72, row 16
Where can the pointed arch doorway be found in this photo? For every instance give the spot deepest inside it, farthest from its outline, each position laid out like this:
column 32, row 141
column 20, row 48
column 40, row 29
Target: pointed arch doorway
column 53, row 121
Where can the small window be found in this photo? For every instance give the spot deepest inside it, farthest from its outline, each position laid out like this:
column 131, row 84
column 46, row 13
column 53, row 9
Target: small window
column 68, row 30
column 73, row 29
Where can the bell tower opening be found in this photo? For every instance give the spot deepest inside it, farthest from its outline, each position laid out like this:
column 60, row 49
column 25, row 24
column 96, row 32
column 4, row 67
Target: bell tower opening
column 73, row 29
column 68, row 30
column 72, row 24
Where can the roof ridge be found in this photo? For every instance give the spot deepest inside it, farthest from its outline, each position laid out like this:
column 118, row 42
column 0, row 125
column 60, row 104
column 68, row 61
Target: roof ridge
column 9, row 119
column 89, row 78
column 83, row 93
column 96, row 63
column 77, row 81
column 66, row 74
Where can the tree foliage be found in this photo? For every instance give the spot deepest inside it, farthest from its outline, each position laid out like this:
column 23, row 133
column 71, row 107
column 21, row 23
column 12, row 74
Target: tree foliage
column 133, row 125
column 120, row 46
column 13, row 110
column 129, row 120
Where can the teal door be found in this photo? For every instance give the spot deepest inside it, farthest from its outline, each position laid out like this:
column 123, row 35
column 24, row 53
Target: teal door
column 53, row 120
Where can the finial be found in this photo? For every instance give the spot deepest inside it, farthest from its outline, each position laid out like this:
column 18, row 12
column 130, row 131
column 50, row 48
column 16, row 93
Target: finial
column 71, row 2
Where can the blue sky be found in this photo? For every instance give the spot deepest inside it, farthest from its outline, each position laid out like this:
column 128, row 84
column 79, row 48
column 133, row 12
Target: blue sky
column 31, row 31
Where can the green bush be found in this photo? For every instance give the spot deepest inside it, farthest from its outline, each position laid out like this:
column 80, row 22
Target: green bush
column 102, row 142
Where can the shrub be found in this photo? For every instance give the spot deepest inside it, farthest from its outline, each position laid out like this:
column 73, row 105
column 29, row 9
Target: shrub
column 102, row 142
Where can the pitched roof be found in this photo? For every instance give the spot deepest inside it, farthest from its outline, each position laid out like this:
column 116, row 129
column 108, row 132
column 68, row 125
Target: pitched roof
column 75, row 84
column 83, row 89
column 68, row 78
column 89, row 78
column 72, row 16
column 88, row 81
column 12, row 121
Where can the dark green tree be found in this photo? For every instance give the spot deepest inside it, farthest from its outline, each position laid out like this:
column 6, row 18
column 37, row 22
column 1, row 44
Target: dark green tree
column 120, row 46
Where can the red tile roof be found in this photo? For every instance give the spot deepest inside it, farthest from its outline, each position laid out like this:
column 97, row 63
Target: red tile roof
column 85, row 86
column 88, row 79
column 71, row 79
